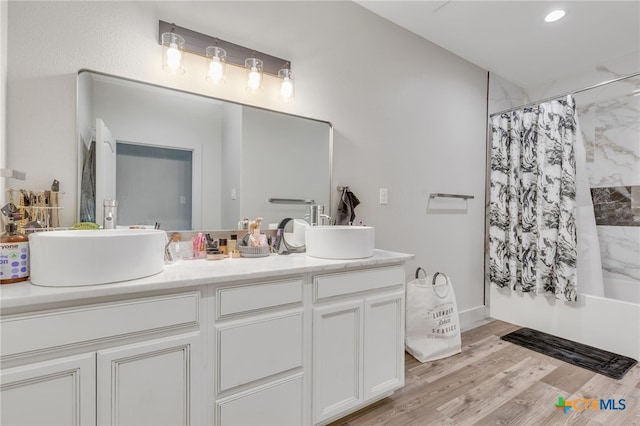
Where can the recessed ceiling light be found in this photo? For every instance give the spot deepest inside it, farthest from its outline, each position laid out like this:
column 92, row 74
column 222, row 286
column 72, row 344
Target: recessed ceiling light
column 554, row 16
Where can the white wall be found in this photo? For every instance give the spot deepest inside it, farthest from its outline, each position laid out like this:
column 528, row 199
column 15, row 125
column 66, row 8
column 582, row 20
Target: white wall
column 407, row 115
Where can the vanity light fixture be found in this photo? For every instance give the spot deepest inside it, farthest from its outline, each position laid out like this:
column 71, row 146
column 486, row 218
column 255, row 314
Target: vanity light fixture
column 217, row 57
column 219, row 53
column 254, row 68
column 172, row 52
column 555, row 15
column 287, row 87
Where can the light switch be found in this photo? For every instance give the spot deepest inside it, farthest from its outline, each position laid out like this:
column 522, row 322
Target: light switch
column 384, row 196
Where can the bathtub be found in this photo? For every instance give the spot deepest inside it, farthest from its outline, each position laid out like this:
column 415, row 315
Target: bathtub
column 602, row 322
column 624, row 290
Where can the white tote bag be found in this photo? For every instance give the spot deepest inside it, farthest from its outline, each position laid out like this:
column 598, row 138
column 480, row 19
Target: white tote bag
column 432, row 323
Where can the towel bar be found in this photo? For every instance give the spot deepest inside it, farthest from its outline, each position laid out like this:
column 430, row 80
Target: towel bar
column 440, row 195
column 290, row 201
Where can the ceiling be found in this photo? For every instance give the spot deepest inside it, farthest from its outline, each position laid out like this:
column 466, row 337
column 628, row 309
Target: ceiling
column 511, row 39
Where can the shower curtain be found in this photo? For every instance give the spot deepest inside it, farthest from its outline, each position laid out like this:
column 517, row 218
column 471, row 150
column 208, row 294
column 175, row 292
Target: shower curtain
column 532, row 212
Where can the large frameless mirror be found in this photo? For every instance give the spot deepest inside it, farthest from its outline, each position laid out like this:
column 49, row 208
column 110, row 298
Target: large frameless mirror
column 189, row 162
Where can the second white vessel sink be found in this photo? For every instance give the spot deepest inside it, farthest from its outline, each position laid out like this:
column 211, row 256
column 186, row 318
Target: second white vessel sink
column 89, row 257
column 340, row 242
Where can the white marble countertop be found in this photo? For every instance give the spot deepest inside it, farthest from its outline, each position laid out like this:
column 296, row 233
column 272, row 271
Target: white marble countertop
column 189, row 273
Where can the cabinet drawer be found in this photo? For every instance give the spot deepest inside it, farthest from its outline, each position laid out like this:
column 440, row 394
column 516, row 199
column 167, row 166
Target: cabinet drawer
column 325, row 286
column 254, row 297
column 252, row 351
column 92, row 323
column 278, row 404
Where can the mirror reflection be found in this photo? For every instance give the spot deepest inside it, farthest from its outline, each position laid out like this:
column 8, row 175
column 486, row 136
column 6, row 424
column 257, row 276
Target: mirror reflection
column 189, row 162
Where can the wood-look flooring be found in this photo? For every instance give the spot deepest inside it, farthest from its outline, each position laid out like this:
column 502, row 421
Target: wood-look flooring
column 493, row 382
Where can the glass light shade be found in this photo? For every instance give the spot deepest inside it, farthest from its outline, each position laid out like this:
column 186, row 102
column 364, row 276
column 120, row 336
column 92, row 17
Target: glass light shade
column 287, row 85
column 172, row 53
column 217, row 59
column 254, row 74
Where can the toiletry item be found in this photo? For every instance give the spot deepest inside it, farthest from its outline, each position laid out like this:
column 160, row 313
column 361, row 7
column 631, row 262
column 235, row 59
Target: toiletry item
column 199, row 246
column 277, row 241
column 236, row 254
column 110, row 214
column 255, row 240
column 14, row 255
column 232, row 243
column 222, row 244
column 85, row 225
column 215, row 256
column 169, row 256
column 244, row 223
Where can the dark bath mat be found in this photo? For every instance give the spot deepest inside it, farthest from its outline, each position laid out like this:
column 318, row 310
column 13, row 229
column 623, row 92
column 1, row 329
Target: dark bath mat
column 594, row 359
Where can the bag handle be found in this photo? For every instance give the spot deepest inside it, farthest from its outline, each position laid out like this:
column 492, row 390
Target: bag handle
column 418, row 272
column 433, row 281
column 447, row 285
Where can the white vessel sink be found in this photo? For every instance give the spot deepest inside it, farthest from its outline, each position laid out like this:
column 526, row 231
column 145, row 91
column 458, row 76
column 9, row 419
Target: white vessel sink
column 340, row 242
column 89, row 257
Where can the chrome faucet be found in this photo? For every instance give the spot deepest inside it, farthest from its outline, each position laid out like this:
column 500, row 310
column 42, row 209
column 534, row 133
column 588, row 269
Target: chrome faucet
column 316, row 215
column 110, row 219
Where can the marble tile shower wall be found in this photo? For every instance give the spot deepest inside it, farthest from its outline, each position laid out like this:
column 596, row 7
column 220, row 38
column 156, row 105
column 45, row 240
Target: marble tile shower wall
column 611, row 132
column 610, row 124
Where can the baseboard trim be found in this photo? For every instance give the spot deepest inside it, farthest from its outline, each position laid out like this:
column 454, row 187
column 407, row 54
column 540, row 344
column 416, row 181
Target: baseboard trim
column 471, row 318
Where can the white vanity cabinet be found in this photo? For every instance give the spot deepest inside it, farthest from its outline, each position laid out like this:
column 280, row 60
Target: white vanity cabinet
column 138, row 358
column 280, row 340
column 259, row 355
column 358, row 339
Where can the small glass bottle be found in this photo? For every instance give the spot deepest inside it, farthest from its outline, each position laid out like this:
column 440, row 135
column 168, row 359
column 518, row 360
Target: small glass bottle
column 222, row 242
column 14, row 256
column 232, row 244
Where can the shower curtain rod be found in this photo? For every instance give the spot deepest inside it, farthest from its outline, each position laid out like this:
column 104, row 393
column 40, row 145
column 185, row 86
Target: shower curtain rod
column 595, row 86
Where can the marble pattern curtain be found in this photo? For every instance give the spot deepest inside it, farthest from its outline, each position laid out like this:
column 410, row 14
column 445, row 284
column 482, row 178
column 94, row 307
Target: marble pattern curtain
column 532, row 212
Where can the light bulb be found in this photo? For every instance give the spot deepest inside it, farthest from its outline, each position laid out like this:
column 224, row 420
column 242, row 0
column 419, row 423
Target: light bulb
column 173, row 57
column 286, row 88
column 215, row 70
column 554, row 16
column 254, row 79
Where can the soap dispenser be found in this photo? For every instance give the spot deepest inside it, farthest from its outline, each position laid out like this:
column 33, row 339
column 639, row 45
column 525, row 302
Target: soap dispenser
column 14, row 255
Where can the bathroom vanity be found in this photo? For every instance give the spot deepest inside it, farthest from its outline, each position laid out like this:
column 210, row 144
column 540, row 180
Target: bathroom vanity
column 280, row 340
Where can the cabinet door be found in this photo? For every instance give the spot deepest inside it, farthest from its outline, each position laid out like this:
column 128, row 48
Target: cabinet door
column 150, row 383
column 383, row 344
column 337, row 354
column 58, row 392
